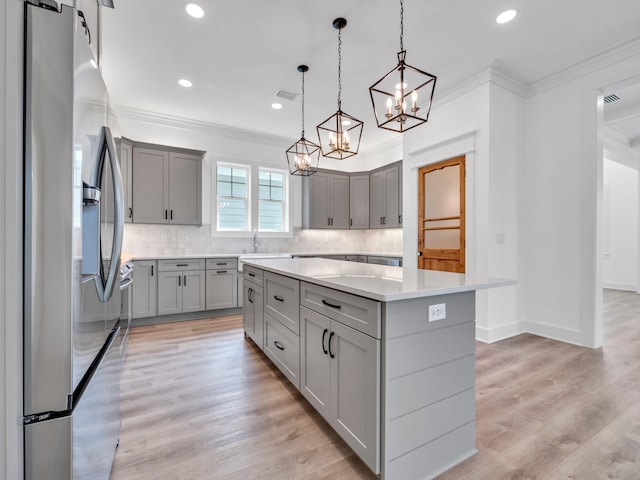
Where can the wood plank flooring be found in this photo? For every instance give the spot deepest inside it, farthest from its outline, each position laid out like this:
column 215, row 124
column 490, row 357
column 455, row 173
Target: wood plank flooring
column 201, row 402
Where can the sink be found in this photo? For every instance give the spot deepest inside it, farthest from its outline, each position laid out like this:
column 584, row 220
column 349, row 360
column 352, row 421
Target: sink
column 258, row 256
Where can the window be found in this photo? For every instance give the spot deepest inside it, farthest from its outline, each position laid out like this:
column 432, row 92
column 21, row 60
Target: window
column 272, row 201
column 232, row 190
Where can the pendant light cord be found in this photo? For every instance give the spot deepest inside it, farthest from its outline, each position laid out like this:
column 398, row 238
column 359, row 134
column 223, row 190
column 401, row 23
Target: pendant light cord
column 339, row 68
column 402, row 25
column 302, row 104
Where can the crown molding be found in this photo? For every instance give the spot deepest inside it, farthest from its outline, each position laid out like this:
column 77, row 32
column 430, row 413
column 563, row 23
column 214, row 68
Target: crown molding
column 605, row 58
column 183, row 123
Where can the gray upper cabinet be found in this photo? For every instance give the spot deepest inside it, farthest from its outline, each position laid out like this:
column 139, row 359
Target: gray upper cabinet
column 166, row 186
column 125, row 154
column 328, row 197
column 359, row 201
column 384, row 197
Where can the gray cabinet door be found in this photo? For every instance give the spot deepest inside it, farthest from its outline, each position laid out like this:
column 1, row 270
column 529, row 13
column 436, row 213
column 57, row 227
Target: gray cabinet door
column 359, row 201
column 338, row 198
column 355, row 391
column 145, row 289
column 150, row 185
column 384, row 195
column 125, row 154
column 318, row 204
column 193, row 291
column 253, row 313
column 315, row 363
column 221, row 289
column 169, row 292
column 185, row 185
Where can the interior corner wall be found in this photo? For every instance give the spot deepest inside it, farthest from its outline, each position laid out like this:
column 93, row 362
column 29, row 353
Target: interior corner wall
column 620, row 226
column 561, row 191
column 11, row 439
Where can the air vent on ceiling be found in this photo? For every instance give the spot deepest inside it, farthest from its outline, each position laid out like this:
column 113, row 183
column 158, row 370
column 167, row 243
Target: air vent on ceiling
column 286, row 95
column 612, row 98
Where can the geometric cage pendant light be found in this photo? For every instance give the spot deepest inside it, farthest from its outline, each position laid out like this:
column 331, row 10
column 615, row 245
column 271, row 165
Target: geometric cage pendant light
column 303, row 156
column 339, row 135
column 402, row 98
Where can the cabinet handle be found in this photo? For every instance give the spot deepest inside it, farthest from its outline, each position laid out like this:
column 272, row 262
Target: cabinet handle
column 221, row 271
column 328, row 221
column 130, row 212
column 165, row 214
column 249, row 295
column 351, row 222
column 332, row 221
column 400, row 219
column 152, row 270
column 380, row 220
column 278, row 345
column 280, row 299
column 330, row 352
column 324, row 334
column 171, row 214
column 179, row 279
column 221, row 263
column 252, row 274
column 185, row 281
column 182, row 264
column 324, row 302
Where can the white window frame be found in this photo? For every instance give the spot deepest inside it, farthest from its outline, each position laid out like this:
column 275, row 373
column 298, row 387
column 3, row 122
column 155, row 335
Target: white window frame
column 247, row 210
column 285, row 199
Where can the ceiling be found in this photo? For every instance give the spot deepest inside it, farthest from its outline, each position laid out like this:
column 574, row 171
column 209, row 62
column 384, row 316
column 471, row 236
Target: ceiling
column 243, row 51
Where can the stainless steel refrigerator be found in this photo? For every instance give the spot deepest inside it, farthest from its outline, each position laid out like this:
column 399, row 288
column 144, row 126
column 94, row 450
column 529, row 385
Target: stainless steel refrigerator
column 73, row 230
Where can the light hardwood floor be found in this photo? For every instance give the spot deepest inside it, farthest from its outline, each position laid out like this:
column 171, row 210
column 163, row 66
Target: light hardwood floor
column 200, row 402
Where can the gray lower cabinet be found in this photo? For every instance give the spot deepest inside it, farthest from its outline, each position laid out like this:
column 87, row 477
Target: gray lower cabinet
column 222, row 283
column 282, row 346
column 253, row 311
column 384, row 194
column 282, row 300
column 145, row 289
column 339, row 376
column 181, row 286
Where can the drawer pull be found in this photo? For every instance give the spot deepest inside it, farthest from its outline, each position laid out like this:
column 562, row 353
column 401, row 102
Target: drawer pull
column 324, row 302
column 221, row 263
column 252, row 274
column 324, row 334
column 182, row 264
column 221, row 271
column 278, row 345
column 330, row 352
column 280, row 299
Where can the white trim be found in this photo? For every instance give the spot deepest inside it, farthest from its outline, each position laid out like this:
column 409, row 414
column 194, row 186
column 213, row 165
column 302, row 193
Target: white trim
column 566, row 335
column 627, row 287
column 501, row 332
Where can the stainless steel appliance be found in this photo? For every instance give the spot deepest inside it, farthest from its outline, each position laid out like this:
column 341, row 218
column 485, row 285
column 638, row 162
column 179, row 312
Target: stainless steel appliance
column 73, row 230
column 126, row 288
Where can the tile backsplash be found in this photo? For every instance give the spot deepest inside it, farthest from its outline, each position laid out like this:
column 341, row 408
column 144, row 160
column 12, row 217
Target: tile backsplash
column 166, row 240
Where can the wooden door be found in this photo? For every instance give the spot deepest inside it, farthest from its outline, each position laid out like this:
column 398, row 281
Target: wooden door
column 441, row 216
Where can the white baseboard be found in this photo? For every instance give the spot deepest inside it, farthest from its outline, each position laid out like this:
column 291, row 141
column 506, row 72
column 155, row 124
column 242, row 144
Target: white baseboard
column 491, row 335
column 628, row 287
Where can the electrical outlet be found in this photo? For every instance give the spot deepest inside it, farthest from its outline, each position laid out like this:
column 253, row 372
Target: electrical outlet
column 437, row 312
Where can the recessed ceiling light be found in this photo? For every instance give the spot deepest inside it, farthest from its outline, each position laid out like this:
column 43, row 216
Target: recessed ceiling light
column 184, row 83
column 276, row 106
column 506, row 16
column 194, row 10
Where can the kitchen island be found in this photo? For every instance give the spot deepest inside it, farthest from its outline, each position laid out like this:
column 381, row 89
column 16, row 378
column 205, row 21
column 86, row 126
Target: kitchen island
column 385, row 354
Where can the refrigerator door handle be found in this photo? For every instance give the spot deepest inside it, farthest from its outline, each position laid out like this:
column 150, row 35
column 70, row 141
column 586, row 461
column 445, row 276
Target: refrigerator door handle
column 107, row 146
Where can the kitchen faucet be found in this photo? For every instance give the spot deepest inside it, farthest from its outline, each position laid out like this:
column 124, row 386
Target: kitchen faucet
column 256, row 243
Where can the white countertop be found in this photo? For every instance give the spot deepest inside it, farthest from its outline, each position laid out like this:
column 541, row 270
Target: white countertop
column 377, row 282
column 256, row 255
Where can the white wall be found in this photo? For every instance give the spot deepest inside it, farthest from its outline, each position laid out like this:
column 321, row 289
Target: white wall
column 485, row 124
column 10, row 240
column 561, row 267
column 620, row 226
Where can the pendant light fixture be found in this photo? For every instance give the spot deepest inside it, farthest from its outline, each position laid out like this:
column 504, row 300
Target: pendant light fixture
column 303, row 156
column 402, row 98
column 339, row 135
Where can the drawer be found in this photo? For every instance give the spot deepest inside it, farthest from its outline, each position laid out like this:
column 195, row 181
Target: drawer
column 282, row 346
column 222, row 263
column 181, row 265
column 282, row 300
column 252, row 274
column 356, row 312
